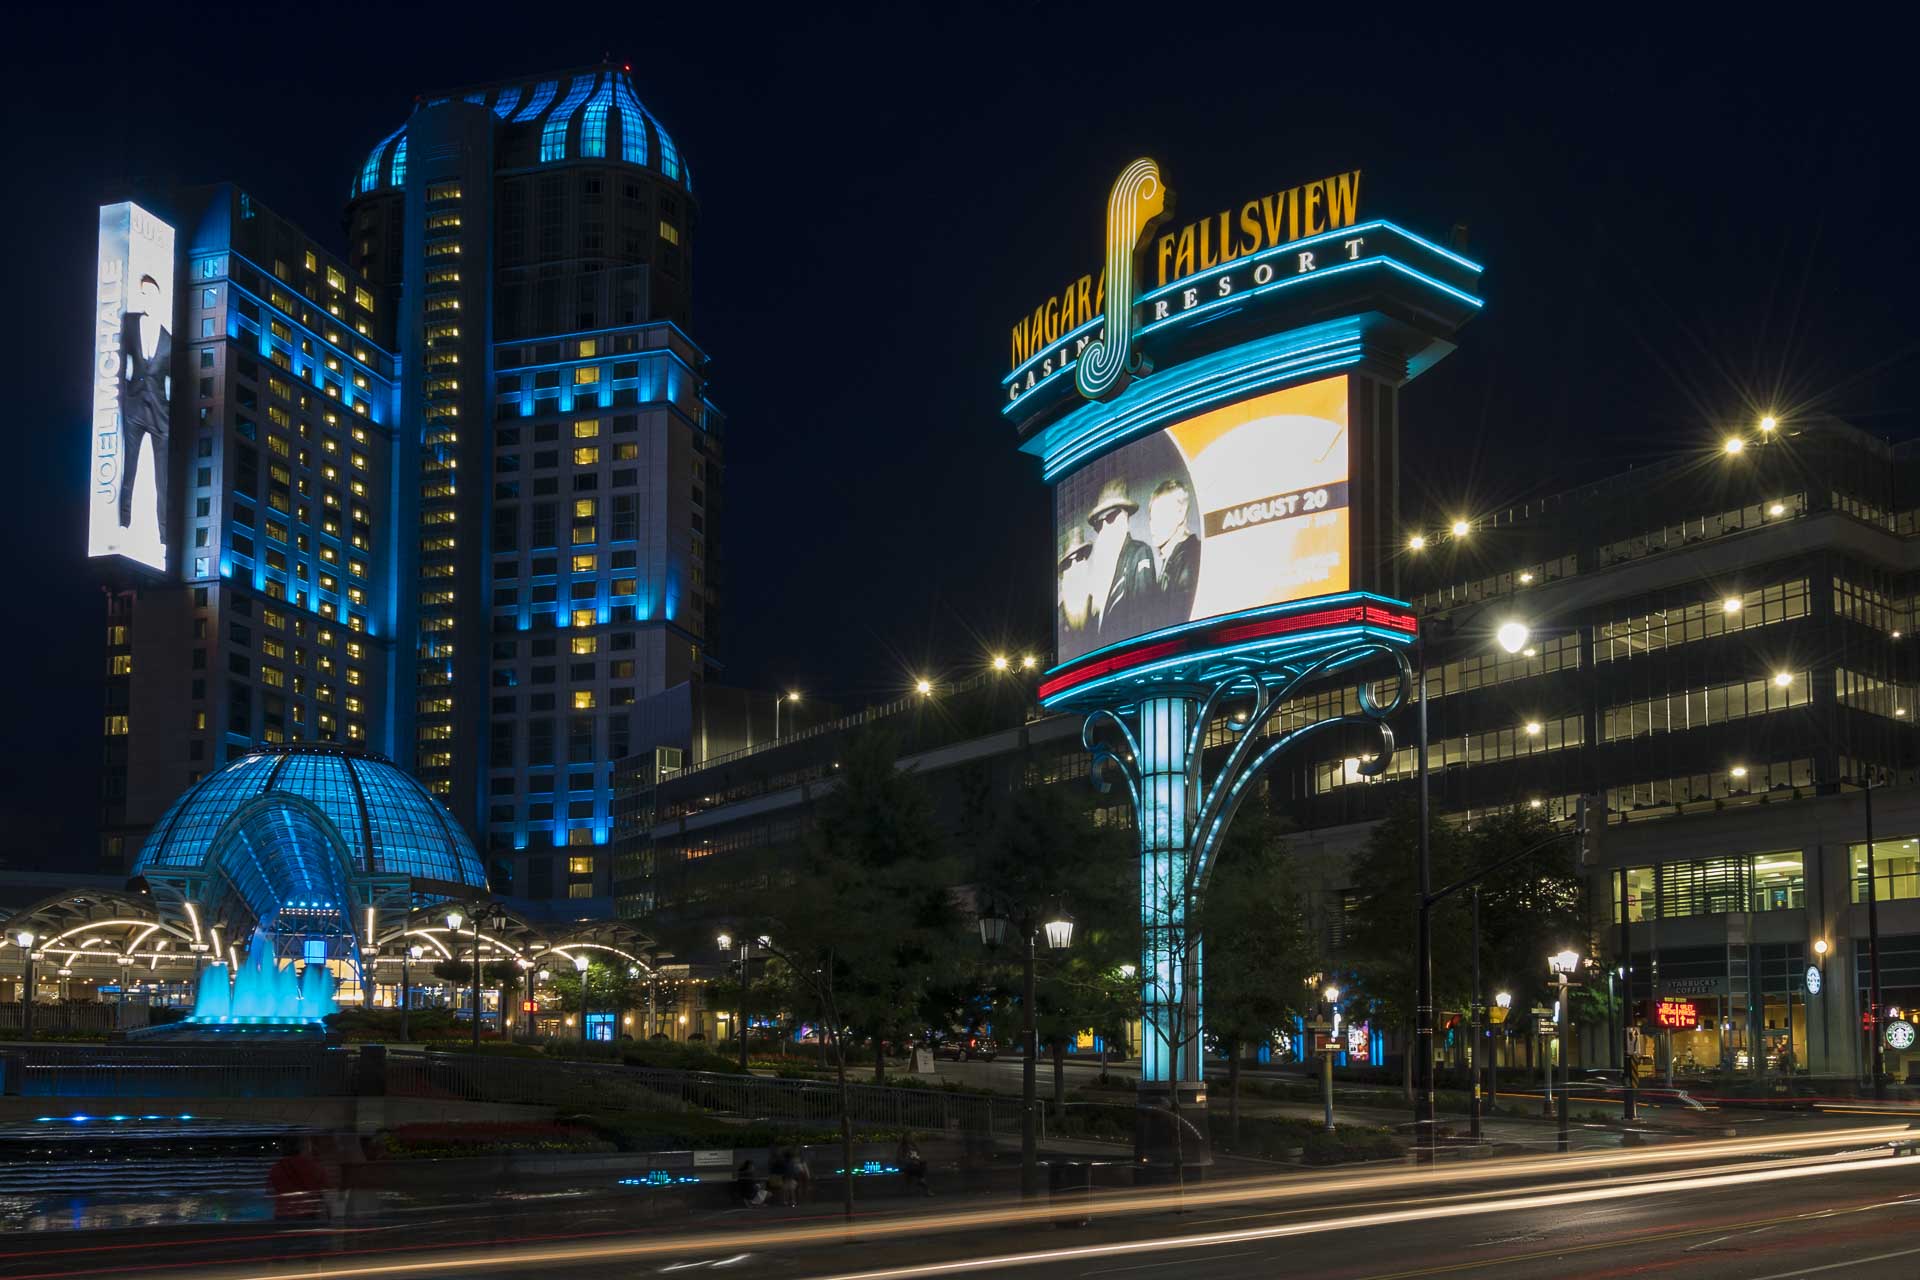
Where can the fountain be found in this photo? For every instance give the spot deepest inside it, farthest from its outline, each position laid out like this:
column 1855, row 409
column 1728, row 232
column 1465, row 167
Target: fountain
column 265, row 993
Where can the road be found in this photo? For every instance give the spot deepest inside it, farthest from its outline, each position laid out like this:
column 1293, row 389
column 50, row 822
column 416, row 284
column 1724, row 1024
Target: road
column 1808, row 1203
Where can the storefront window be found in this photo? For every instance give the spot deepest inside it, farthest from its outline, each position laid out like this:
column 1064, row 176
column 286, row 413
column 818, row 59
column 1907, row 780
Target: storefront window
column 1896, row 869
column 1779, row 882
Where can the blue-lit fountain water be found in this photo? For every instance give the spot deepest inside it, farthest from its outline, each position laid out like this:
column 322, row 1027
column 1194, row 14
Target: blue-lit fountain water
column 265, row 992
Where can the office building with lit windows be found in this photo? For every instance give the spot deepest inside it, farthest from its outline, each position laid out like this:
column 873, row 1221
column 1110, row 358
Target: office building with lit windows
column 1717, row 654
column 450, row 497
column 561, row 464
column 273, row 620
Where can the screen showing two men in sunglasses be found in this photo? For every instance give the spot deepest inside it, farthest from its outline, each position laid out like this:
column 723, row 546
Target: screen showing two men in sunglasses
column 1242, row 506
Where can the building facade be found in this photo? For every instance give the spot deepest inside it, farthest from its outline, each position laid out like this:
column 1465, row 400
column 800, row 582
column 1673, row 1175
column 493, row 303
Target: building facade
column 274, row 619
column 1716, row 657
column 452, row 496
column 563, row 462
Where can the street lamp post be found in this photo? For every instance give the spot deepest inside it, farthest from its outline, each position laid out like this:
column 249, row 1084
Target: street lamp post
column 25, row 938
column 1326, row 1057
column 779, row 704
column 1423, row 942
column 1631, row 1110
column 1502, row 1000
column 1476, row 1024
column 993, row 929
column 1876, row 1033
column 1562, row 965
column 407, row 956
column 740, row 1005
column 580, row 963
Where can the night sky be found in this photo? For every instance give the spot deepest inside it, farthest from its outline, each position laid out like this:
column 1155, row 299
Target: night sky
column 1681, row 230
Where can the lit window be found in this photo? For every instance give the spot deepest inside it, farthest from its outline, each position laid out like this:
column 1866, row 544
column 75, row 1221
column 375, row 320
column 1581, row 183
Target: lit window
column 334, row 279
column 584, row 508
column 122, row 664
column 586, row 455
column 586, row 428
column 583, row 618
column 669, row 232
column 313, row 263
column 583, row 645
column 116, row 726
column 586, row 563
column 586, row 375
column 580, row 866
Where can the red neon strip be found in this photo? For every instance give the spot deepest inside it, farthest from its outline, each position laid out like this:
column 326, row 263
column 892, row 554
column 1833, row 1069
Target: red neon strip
column 1368, row 615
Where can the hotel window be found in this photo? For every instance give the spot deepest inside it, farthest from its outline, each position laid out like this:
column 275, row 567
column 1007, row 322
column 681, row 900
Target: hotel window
column 586, row 375
column 585, row 563
column 1696, row 708
column 586, row 455
column 669, row 232
column 583, row 618
column 583, row 645
column 334, row 279
column 583, row 699
column 586, row 429
column 580, row 866
column 122, row 664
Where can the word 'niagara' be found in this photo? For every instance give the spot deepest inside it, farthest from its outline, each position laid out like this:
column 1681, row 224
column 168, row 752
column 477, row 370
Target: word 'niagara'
column 1263, row 223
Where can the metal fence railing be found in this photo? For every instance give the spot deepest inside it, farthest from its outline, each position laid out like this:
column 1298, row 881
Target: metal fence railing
column 596, row 1086
column 177, row 1071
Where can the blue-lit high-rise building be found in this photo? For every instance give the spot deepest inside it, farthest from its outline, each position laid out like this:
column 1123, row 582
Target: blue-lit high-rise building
column 558, row 466
column 450, row 496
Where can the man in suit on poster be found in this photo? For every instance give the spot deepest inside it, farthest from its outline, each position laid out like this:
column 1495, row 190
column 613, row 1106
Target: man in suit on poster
column 146, row 387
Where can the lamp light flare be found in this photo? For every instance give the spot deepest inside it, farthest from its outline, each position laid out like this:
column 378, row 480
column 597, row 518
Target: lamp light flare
column 1820, row 946
column 923, row 686
column 1777, row 509
column 1461, row 528
column 1738, row 771
column 1512, row 636
column 1732, row 604
column 1533, row 728
column 1782, row 679
column 1028, row 662
column 1768, row 423
column 1416, row 543
column 1000, row 662
column 1734, row 444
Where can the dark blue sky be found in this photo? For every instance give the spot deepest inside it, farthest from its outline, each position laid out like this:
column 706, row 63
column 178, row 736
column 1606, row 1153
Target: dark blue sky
column 1680, row 227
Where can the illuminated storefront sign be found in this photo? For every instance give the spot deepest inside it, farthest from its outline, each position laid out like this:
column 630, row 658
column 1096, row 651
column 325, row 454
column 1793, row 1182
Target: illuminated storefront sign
column 1091, row 323
column 130, row 422
column 1814, row 980
column 1900, row 1034
column 1230, row 510
column 1679, row 1015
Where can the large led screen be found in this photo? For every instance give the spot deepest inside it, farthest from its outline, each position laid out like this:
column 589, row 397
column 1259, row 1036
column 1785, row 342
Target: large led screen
column 1239, row 507
column 132, row 387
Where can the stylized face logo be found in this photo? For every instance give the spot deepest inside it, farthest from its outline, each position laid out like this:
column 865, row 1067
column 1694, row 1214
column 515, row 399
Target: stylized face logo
column 1137, row 202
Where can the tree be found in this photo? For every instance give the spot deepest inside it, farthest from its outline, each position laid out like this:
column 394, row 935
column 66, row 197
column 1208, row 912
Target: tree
column 1259, row 950
column 1047, row 852
column 609, row 989
column 1382, row 924
column 866, row 921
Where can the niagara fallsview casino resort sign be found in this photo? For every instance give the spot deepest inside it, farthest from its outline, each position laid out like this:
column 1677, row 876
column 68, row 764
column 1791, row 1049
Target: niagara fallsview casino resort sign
column 1089, row 322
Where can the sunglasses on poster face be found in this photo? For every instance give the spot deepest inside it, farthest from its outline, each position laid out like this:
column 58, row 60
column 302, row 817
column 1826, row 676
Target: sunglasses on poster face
column 1111, row 517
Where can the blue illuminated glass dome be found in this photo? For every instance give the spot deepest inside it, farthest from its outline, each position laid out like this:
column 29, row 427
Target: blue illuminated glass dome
column 309, row 823
column 588, row 115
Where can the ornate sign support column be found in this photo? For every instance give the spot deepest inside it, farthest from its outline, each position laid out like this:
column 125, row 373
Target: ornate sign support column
column 1218, row 415
column 1160, row 747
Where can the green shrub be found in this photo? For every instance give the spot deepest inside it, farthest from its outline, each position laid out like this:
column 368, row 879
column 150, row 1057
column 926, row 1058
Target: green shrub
column 1344, row 1146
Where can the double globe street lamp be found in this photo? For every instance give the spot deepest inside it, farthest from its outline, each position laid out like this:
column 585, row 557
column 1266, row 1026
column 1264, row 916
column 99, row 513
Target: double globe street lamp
column 994, row 928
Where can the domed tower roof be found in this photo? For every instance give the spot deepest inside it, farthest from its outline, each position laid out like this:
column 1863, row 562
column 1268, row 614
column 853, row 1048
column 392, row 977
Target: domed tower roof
column 378, row 816
column 586, row 115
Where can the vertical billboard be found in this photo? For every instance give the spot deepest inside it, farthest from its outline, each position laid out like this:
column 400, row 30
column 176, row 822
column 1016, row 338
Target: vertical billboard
column 132, row 387
column 1239, row 507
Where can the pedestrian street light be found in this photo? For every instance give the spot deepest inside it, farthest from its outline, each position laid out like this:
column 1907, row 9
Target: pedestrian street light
column 1059, row 931
column 1565, row 962
column 454, row 921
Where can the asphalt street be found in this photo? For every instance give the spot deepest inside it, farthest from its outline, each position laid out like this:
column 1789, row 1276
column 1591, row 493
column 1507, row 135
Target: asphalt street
column 1808, row 1202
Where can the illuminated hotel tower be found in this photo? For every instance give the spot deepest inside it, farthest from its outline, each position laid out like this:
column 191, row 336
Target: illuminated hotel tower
column 558, row 461
column 271, row 618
